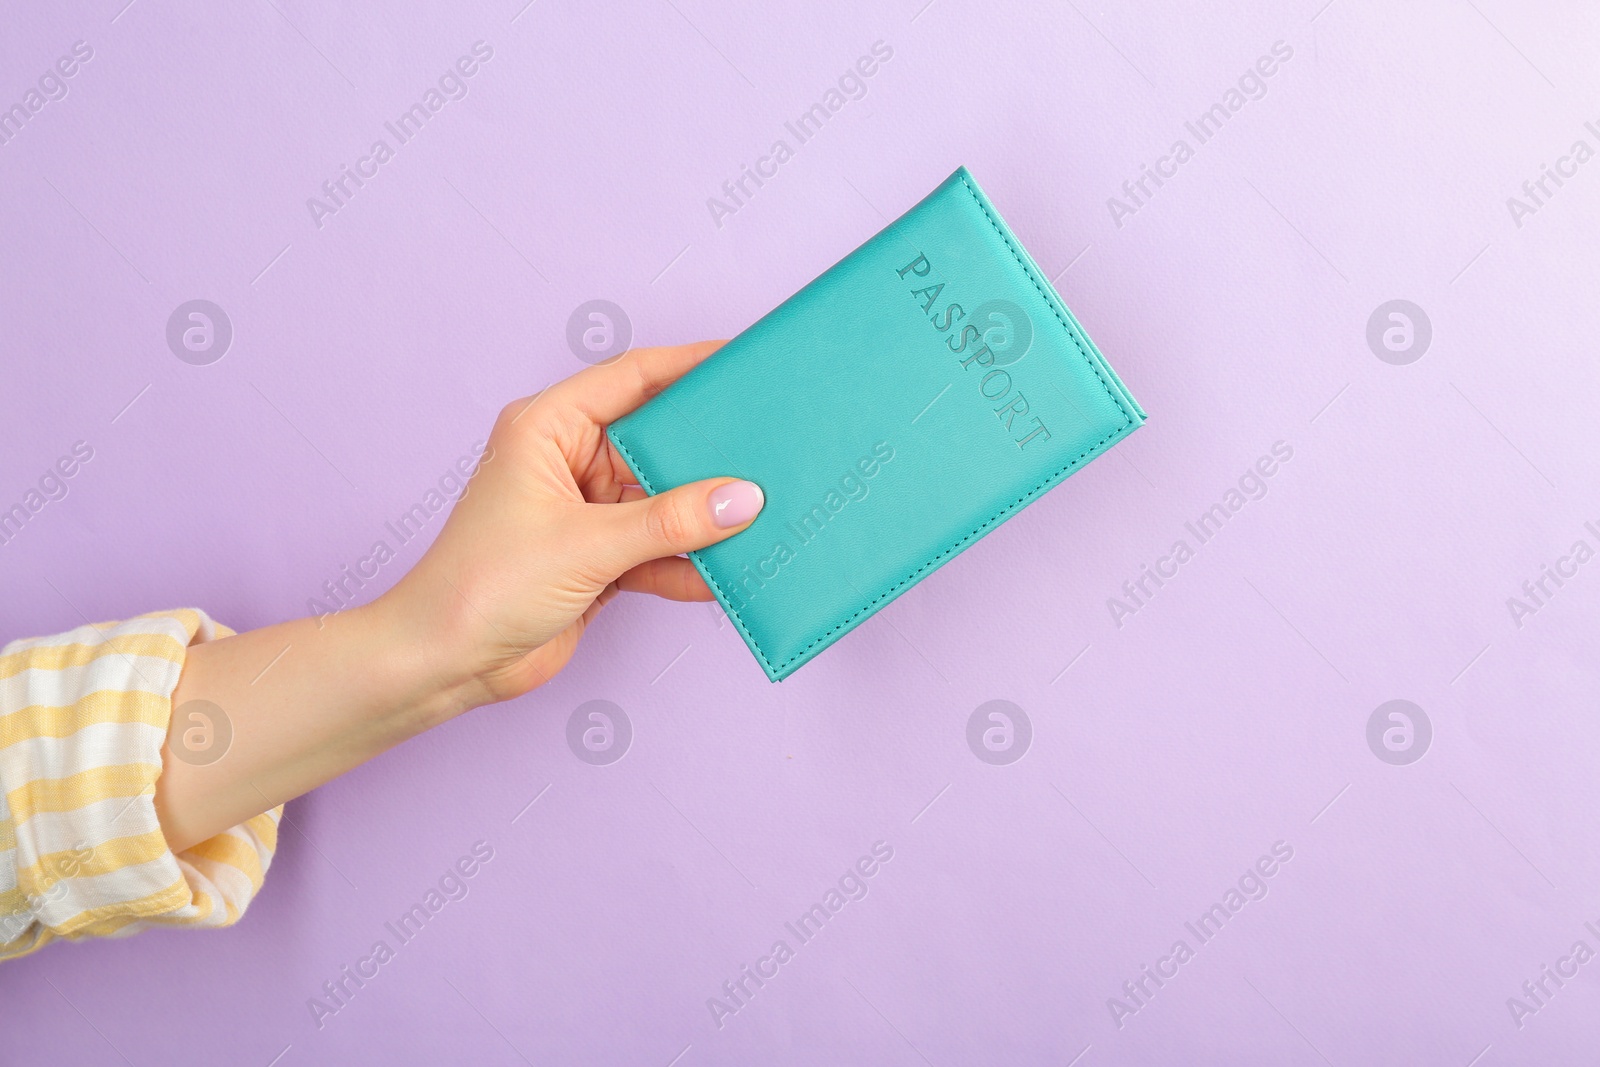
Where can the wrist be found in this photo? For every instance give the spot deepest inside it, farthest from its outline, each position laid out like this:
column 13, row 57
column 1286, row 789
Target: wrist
column 420, row 648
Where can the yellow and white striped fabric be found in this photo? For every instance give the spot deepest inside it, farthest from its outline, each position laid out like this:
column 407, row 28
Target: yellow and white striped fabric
column 83, row 716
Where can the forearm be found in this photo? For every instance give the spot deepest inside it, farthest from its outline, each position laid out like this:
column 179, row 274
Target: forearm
column 306, row 701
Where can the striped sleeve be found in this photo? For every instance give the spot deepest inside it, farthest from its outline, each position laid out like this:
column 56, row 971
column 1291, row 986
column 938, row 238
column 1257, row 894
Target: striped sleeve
column 83, row 716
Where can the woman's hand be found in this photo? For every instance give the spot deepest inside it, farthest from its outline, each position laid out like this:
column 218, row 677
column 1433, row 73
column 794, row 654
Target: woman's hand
column 550, row 529
column 553, row 525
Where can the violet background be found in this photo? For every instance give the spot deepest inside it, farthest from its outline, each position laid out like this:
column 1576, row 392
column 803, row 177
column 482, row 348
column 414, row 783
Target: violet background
column 1228, row 714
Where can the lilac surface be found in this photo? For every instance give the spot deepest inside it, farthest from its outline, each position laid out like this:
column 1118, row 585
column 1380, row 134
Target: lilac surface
column 1229, row 712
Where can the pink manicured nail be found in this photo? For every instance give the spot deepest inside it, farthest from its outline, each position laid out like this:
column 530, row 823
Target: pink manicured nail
column 735, row 504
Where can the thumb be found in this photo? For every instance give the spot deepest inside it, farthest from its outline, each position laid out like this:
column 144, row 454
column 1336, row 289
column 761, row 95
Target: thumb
column 677, row 521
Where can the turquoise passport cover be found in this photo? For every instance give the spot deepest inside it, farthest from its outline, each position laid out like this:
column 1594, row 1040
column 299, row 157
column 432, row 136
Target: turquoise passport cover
column 920, row 392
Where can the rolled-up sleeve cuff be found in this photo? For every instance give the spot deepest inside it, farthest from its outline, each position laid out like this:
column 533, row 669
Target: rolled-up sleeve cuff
column 83, row 718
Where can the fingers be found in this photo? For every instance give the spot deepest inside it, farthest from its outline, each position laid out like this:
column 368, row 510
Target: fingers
column 619, row 466
column 669, row 524
column 672, row 578
column 611, row 390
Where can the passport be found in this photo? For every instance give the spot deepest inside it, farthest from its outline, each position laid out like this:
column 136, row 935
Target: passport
column 918, row 393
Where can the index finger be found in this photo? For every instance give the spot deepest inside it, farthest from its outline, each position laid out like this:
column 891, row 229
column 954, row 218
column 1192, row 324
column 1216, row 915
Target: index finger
column 607, row 392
